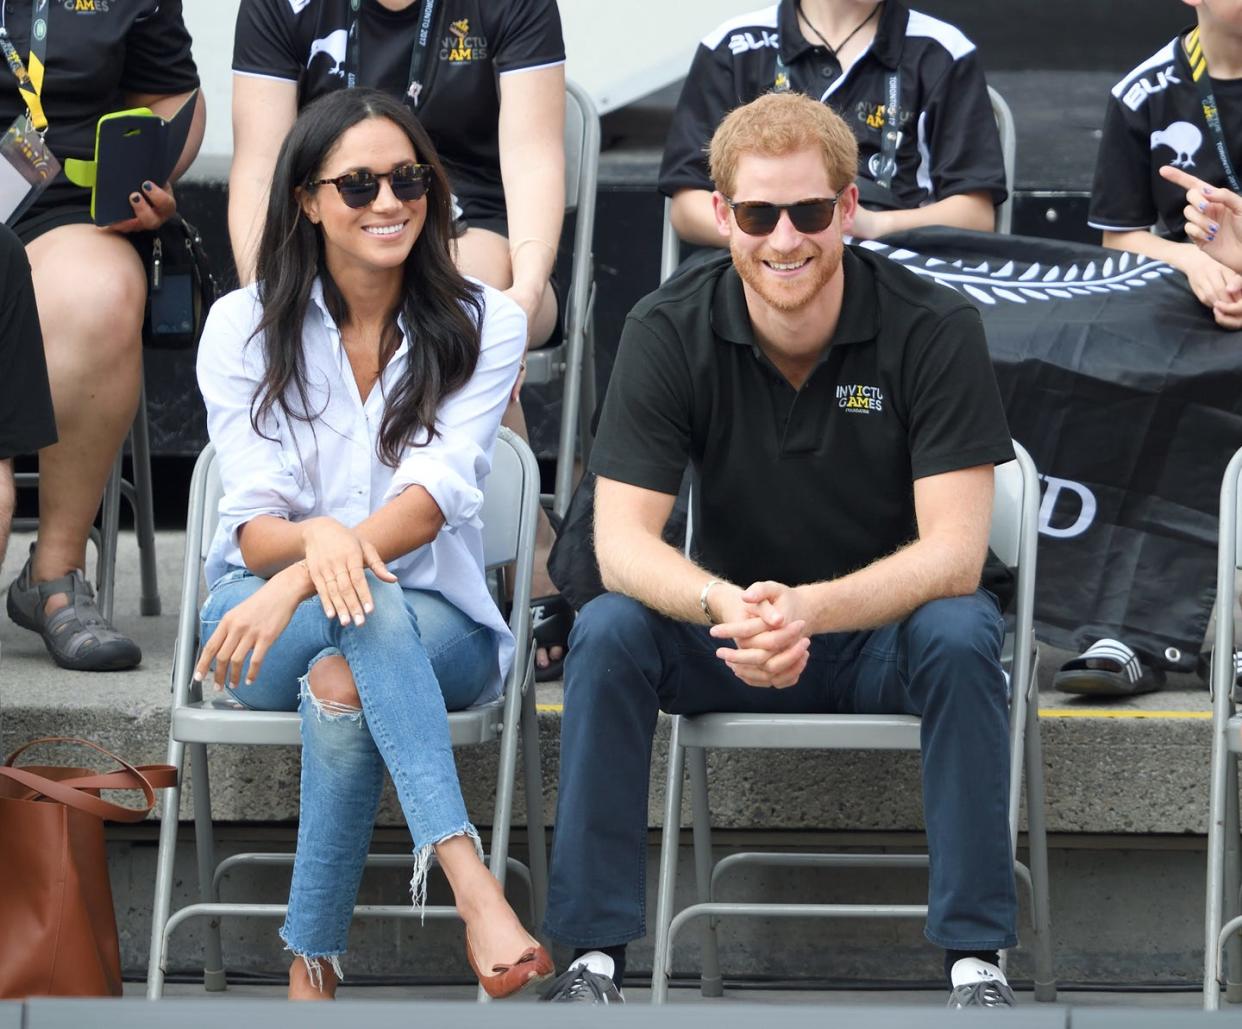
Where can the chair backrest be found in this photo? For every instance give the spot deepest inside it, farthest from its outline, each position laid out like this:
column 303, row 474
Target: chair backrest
column 581, row 146
column 1009, row 150
column 1008, row 509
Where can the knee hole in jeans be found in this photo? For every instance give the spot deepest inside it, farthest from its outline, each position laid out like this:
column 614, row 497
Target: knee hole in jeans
column 330, row 686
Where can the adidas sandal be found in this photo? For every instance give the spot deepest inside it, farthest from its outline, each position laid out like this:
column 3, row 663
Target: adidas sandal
column 1107, row 668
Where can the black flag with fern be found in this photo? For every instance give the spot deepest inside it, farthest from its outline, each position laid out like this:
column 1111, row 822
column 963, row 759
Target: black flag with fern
column 1129, row 398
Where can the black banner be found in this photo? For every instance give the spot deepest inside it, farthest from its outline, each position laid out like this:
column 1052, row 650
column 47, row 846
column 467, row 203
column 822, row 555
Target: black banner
column 1129, row 398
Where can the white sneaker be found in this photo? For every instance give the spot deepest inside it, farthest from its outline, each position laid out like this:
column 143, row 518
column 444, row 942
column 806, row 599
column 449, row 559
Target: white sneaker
column 587, row 981
column 979, row 984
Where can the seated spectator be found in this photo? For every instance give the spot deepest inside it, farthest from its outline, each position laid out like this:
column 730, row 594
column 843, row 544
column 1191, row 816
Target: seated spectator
column 353, row 394
column 787, row 373
column 26, row 421
column 91, row 285
column 1155, row 117
column 1156, row 112
column 942, row 164
column 1213, row 219
column 489, row 86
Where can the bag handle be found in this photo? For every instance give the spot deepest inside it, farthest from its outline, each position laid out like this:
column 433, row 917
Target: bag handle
column 70, row 792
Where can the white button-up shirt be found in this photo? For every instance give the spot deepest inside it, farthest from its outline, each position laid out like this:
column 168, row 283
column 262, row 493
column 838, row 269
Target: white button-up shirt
column 330, row 466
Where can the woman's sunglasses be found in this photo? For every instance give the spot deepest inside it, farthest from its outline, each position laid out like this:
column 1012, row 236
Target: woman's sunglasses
column 759, row 218
column 359, row 188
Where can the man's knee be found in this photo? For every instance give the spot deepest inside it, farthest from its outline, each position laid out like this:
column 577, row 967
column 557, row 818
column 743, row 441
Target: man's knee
column 610, row 620
column 955, row 629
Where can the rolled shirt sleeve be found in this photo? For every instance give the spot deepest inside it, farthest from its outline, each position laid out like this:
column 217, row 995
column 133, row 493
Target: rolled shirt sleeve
column 259, row 475
column 452, row 465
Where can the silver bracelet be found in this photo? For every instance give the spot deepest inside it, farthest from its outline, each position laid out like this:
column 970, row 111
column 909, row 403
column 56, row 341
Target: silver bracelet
column 703, row 600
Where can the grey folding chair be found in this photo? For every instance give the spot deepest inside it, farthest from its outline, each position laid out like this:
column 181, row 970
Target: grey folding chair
column 511, row 500
column 138, row 493
column 1014, row 534
column 1009, row 151
column 670, row 244
column 573, row 360
column 1224, row 868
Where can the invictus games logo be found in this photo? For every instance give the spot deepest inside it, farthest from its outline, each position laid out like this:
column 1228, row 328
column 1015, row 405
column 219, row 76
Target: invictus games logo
column 459, row 47
column 860, row 399
column 87, row 6
column 873, row 114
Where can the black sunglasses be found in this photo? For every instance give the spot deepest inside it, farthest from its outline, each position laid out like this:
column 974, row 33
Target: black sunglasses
column 759, row 218
column 359, row 188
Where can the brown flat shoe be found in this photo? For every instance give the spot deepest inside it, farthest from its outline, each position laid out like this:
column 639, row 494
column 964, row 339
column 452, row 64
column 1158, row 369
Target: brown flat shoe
column 534, row 966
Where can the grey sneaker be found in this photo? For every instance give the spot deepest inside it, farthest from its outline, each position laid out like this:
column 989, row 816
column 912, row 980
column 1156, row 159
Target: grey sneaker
column 77, row 636
column 979, row 984
column 587, row 981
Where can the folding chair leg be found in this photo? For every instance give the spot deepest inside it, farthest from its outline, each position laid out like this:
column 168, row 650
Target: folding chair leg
column 586, row 406
column 144, row 508
column 205, row 846
column 164, row 861
column 537, row 844
column 662, row 962
column 1037, row 837
column 110, row 527
column 1213, row 921
column 711, row 984
column 1233, row 879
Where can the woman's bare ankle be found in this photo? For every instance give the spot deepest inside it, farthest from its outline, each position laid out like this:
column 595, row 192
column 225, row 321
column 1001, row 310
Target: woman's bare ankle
column 303, row 985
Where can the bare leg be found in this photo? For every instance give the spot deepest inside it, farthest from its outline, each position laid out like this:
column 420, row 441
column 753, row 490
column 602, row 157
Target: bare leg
column 91, row 289
column 485, row 255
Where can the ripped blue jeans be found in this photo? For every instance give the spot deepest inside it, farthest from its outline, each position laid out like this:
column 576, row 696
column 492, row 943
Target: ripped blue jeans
column 415, row 658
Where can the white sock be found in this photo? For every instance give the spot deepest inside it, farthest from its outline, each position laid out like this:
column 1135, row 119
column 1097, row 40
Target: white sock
column 595, row 961
column 971, row 970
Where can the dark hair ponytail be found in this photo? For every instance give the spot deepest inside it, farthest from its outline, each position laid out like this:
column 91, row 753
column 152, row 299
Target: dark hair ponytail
column 442, row 310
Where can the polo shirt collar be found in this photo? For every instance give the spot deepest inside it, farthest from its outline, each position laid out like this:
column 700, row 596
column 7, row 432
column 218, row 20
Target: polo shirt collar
column 858, row 322
column 886, row 47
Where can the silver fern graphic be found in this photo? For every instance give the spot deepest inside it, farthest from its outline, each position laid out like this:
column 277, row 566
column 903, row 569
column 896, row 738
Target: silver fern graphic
column 1038, row 282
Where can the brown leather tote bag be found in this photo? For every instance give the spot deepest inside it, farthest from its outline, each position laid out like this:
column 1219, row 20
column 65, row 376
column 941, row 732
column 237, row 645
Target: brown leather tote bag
column 57, row 925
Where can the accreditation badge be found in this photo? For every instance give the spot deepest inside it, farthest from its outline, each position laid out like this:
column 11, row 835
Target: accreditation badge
column 27, row 166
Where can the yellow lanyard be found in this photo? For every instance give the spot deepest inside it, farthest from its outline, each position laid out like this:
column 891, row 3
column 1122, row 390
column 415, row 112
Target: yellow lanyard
column 30, row 82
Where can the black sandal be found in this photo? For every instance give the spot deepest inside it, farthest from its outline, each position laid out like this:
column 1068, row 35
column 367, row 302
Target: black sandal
column 1108, row 668
column 551, row 619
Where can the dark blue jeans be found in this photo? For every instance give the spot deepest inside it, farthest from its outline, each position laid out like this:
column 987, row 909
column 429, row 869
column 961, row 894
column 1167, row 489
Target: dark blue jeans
column 627, row 663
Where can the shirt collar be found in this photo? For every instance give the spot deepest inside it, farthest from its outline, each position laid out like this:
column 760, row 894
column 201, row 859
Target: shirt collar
column 857, row 323
column 886, row 47
column 334, row 332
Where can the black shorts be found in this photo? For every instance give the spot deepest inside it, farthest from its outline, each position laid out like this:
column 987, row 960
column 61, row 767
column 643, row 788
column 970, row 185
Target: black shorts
column 482, row 213
column 40, row 220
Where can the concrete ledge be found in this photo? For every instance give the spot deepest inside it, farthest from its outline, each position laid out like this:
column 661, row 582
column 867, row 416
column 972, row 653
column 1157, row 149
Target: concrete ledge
column 1133, row 767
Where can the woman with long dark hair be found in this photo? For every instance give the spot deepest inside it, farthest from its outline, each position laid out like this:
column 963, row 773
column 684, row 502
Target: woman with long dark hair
column 353, row 395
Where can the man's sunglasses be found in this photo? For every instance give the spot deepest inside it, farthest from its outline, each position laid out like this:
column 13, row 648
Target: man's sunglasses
column 359, row 188
column 759, row 218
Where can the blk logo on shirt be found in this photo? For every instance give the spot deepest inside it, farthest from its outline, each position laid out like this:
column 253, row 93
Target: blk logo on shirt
column 333, row 46
column 860, row 399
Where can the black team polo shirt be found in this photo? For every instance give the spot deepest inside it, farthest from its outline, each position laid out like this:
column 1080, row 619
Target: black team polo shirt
column 305, row 41
column 801, row 485
column 949, row 141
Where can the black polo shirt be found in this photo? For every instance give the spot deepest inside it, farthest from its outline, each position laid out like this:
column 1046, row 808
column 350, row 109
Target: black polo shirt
column 97, row 52
column 27, row 423
column 304, row 41
column 801, row 485
column 1155, row 117
column 949, row 143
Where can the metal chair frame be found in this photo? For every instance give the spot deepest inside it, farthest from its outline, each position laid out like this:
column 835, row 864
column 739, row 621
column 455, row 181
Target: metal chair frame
column 573, row 360
column 1013, row 537
column 1223, row 919
column 510, row 506
column 139, row 495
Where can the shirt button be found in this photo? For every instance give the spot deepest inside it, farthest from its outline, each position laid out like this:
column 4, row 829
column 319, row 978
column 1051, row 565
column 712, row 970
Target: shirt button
column 828, row 73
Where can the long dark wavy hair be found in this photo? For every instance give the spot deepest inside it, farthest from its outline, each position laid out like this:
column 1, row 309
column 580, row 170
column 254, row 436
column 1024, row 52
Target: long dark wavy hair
column 442, row 310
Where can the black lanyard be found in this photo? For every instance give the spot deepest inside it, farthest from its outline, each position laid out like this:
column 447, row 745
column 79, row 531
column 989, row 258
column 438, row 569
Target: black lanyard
column 890, row 135
column 1211, row 113
column 416, row 86
column 30, row 82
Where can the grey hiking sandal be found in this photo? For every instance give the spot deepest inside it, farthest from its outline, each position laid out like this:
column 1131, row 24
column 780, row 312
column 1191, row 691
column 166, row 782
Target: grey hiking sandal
column 77, row 636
